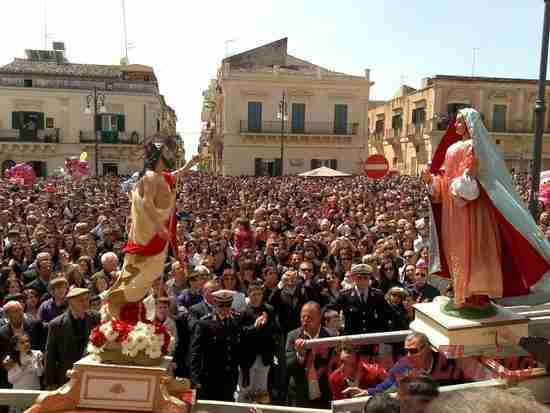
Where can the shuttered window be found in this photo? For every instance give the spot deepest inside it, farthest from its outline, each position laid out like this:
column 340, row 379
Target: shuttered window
column 298, row 117
column 254, row 116
column 340, row 119
column 499, row 118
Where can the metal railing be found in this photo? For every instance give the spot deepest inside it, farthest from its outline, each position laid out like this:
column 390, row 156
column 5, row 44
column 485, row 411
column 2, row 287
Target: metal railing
column 356, row 404
column 110, row 137
column 307, row 128
column 51, row 135
column 25, row 398
column 116, row 86
column 416, row 129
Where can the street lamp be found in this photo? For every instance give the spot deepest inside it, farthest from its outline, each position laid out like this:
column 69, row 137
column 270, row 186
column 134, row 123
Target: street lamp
column 95, row 103
column 540, row 108
column 282, row 114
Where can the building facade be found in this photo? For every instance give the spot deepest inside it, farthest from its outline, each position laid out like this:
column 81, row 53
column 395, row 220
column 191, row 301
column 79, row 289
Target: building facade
column 47, row 113
column 408, row 128
column 323, row 121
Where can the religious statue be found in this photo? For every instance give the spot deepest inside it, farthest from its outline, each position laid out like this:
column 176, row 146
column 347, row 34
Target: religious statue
column 128, row 333
column 482, row 236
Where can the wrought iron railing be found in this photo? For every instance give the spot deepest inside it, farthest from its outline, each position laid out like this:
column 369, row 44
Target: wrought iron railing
column 51, row 135
column 110, row 137
column 307, row 128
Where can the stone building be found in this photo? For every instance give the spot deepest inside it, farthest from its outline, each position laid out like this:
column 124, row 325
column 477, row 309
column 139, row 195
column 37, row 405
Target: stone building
column 325, row 121
column 46, row 112
column 408, row 128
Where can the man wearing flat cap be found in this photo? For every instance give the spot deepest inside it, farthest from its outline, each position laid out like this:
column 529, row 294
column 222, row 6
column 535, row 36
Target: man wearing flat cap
column 365, row 308
column 68, row 337
column 217, row 345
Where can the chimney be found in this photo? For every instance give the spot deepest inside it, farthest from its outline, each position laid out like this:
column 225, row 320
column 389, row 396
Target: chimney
column 367, row 75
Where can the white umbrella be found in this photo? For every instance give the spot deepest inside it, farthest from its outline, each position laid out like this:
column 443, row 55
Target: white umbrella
column 323, row 171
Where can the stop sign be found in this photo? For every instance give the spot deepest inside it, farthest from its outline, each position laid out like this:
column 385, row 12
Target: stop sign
column 376, row 166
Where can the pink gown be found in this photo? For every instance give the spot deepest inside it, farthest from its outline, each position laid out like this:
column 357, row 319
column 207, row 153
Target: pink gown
column 469, row 231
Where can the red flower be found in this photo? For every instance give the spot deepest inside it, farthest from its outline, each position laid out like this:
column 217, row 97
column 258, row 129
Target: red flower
column 97, row 338
column 123, row 328
column 133, row 312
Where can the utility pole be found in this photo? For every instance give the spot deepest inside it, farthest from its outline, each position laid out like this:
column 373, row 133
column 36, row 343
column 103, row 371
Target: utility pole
column 282, row 112
column 540, row 109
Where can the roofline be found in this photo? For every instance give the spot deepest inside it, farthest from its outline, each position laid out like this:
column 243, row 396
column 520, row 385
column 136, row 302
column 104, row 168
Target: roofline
column 483, row 79
column 285, row 39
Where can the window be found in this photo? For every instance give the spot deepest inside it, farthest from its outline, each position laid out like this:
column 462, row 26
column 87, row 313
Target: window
column 110, row 125
column 397, row 122
column 27, row 82
column 340, row 119
column 267, row 167
column 499, row 118
column 50, row 124
column 379, row 126
column 28, row 124
column 419, row 116
column 254, row 116
column 298, row 117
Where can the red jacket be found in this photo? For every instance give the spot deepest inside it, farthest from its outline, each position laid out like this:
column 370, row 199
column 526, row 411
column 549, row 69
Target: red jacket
column 369, row 375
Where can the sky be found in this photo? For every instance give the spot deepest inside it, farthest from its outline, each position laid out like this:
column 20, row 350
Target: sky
column 401, row 41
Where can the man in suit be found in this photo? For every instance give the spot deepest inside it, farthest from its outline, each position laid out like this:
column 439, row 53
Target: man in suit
column 17, row 324
column 205, row 307
column 39, row 278
column 217, row 349
column 259, row 349
column 68, row 337
column 365, row 308
column 308, row 369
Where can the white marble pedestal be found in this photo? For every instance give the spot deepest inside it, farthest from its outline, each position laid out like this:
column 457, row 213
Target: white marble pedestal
column 457, row 337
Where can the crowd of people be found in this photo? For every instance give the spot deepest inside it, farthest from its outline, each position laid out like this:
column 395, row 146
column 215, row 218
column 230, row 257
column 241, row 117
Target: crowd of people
column 263, row 265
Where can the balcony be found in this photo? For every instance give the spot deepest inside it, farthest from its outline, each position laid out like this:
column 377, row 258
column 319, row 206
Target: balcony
column 307, row 128
column 30, row 136
column 110, row 137
column 416, row 131
column 393, row 135
column 115, row 86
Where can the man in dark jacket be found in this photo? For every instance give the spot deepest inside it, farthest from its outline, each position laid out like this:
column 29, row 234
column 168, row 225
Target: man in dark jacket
column 217, row 349
column 68, row 337
column 205, row 307
column 365, row 308
column 308, row 369
column 259, row 349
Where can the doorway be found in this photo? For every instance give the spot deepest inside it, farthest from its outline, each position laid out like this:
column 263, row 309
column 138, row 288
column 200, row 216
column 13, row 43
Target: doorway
column 110, row 169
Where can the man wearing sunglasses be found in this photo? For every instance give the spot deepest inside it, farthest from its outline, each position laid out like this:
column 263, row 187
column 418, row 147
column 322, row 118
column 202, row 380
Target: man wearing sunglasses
column 419, row 359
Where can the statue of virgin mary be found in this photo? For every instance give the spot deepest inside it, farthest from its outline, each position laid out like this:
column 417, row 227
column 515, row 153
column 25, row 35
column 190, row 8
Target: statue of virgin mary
column 482, row 235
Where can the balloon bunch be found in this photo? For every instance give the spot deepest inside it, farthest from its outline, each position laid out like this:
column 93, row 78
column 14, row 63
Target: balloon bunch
column 544, row 188
column 77, row 168
column 21, row 174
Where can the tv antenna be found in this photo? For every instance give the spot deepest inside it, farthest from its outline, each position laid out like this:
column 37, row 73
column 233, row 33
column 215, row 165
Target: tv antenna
column 127, row 45
column 474, row 53
column 46, row 34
